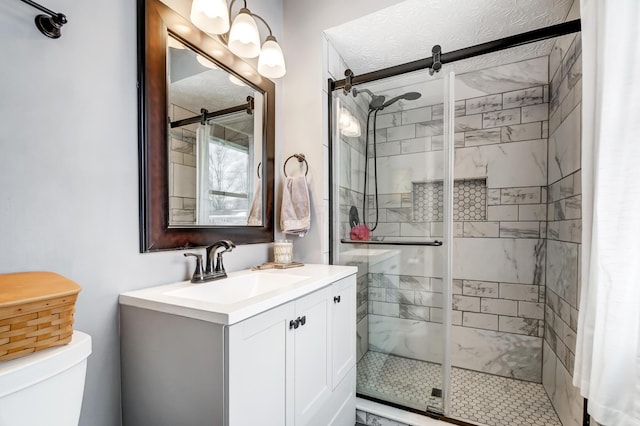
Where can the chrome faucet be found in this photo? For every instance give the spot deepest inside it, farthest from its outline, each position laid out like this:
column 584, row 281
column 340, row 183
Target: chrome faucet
column 211, row 271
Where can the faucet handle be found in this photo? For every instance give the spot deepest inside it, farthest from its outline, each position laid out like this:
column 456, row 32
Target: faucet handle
column 219, row 268
column 198, row 274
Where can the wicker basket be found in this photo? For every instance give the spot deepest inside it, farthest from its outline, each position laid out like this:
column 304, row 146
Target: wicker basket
column 36, row 312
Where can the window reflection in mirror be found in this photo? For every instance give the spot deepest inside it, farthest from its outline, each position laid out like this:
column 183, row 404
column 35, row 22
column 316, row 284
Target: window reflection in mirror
column 214, row 160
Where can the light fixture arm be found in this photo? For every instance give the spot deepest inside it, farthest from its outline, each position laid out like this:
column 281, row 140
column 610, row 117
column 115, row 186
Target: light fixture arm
column 231, row 7
column 48, row 25
column 264, row 22
column 255, row 15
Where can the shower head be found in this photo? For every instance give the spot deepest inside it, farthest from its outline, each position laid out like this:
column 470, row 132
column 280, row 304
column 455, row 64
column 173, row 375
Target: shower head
column 377, row 102
column 410, row 96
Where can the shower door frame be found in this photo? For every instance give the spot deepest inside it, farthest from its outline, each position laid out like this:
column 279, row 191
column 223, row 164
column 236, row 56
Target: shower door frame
column 472, row 51
column 448, row 100
column 533, row 36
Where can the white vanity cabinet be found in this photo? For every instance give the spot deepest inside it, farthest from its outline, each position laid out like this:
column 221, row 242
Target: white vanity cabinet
column 291, row 365
column 280, row 360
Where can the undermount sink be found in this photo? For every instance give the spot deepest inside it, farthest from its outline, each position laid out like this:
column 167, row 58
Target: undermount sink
column 232, row 290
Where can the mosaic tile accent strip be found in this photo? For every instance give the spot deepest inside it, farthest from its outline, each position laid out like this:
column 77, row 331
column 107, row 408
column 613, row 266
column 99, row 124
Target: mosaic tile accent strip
column 469, row 200
column 476, row 397
column 428, row 201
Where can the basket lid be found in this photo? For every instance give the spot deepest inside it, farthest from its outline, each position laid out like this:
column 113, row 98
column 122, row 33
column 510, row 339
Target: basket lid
column 34, row 286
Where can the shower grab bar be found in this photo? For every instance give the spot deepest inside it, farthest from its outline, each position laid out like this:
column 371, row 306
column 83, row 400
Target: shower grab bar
column 393, row 243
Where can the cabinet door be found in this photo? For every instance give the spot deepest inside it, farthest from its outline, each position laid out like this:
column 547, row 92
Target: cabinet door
column 312, row 378
column 257, row 369
column 343, row 328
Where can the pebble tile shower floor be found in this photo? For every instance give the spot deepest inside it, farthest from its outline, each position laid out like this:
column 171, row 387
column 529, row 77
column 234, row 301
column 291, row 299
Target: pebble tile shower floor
column 476, row 397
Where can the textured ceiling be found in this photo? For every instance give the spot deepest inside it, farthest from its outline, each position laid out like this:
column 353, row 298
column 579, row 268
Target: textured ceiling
column 407, row 31
column 194, row 86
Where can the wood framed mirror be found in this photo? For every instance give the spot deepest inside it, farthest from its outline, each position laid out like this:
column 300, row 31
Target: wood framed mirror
column 206, row 137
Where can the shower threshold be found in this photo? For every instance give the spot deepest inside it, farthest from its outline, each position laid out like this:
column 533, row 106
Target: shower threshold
column 477, row 398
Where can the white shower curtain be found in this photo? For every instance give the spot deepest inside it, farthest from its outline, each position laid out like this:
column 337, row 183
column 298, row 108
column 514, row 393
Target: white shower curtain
column 202, row 174
column 607, row 367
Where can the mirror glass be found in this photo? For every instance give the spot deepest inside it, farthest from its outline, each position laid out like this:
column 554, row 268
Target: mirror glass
column 215, row 143
column 206, row 177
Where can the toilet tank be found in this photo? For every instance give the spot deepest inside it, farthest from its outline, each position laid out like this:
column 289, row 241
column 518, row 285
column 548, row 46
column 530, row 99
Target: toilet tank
column 45, row 388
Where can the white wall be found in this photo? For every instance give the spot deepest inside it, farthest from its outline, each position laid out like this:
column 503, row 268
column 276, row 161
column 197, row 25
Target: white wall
column 69, row 170
column 305, row 105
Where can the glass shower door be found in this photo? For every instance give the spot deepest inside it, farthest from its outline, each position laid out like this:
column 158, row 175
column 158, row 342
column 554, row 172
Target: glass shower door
column 391, row 190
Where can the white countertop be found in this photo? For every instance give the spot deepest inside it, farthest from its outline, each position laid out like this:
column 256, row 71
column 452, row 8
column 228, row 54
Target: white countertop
column 313, row 277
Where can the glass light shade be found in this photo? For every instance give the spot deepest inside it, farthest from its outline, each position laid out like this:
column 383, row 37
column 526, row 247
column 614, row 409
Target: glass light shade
column 172, row 42
column 271, row 61
column 211, row 16
column 206, row 62
column 235, row 80
column 244, row 38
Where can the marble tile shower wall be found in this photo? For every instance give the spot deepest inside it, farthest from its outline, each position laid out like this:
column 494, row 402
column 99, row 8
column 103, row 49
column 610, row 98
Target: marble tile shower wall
column 564, row 228
column 499, row 254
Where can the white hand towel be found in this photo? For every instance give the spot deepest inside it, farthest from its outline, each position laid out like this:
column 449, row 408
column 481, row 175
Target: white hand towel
column 295, row 215
column 255, row 213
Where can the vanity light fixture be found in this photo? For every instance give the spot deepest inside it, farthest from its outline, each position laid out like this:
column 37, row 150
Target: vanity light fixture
column 172, row 42
column 205, row 62
column 349, row 125
column 235, row 80
column 49, row 24
column 210, row 16
column 242, row 36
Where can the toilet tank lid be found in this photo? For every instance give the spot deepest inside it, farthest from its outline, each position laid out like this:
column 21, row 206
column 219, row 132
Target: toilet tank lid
column 23, row 372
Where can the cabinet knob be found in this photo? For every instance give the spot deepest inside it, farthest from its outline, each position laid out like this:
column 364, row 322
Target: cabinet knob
column 294, row 323
column 303, row 320
column 336, row 299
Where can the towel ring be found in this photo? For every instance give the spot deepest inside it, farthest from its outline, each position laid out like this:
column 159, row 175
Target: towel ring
column 300, row 158
column 258, row 169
